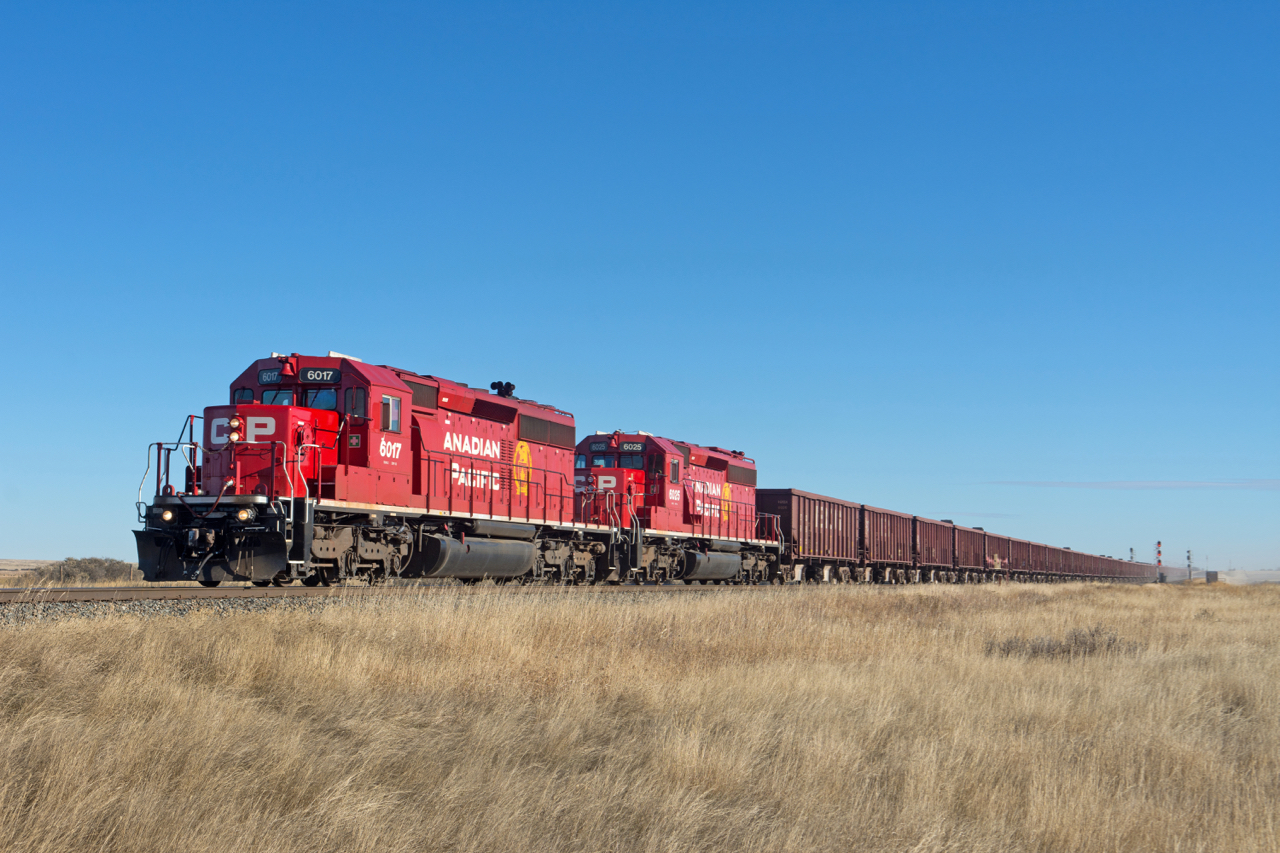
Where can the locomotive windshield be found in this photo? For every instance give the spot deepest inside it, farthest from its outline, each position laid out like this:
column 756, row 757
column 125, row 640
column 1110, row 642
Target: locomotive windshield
column 633, row 461
column 320, row 398
column 277, row 397
column 312, row 398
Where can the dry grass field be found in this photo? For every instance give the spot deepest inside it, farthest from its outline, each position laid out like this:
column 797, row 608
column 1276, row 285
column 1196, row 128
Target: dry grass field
column 1070, row 718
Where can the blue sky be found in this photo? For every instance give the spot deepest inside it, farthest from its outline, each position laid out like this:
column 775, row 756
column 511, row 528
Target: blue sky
column 1014, row 264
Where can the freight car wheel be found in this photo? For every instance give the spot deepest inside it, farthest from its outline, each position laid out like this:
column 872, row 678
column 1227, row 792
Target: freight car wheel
column 209, row 583
column 260, row 583
column 312, row 579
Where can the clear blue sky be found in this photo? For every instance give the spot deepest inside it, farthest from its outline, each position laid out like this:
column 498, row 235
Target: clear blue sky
column 1015, row 264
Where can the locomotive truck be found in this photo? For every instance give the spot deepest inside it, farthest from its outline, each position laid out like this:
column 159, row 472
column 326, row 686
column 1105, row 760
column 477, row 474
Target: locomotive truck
column 323, row 469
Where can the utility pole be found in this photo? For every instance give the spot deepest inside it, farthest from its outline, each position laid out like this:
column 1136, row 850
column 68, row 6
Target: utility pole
column 1188, row 565
column 1130, row 555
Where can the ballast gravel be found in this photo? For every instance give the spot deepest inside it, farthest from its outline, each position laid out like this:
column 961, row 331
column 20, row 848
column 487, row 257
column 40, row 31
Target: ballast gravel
column 13, row 615
column 25, row 613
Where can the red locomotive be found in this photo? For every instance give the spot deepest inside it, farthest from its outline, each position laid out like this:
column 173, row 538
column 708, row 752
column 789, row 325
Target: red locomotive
column 324, row 468
column 667, row 494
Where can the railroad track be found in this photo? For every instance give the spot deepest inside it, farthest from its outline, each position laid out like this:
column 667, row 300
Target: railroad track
column 77, row 595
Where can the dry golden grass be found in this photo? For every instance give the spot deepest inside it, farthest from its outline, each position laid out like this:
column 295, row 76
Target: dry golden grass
column 812, row 719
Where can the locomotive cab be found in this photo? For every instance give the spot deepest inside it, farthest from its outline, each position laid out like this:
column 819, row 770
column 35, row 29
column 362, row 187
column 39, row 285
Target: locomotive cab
column 252, row 471
column 614, row 473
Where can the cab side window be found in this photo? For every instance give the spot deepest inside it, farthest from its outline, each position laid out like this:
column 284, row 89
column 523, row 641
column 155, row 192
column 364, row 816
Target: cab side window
column 390, row 413
column 243, row 395
column 356, row 403
column 675, row 471
column 580, row 461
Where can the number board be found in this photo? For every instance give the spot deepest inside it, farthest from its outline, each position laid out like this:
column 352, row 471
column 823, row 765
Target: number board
column 269, row 377
column 625, row 447
column 326, row 375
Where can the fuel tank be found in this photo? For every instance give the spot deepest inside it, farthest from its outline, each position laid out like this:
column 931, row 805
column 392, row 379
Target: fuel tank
column 445, row 557
column 708, row 567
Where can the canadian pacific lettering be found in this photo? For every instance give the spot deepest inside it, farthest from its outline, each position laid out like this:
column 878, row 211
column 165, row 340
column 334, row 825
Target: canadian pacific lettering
column 474, row 446
column 476, row 479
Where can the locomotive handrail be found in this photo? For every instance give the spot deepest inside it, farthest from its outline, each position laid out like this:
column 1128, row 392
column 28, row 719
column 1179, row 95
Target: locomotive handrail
column 731, row 527
column 164, row 452
column 494, row 471
column 590, row 497
column 189, row 427
column 775, row 521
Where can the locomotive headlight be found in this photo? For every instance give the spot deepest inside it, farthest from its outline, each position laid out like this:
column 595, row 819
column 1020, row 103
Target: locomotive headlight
column 234, row 423
column 245, row 515
column 234, row 436
column 167, row 515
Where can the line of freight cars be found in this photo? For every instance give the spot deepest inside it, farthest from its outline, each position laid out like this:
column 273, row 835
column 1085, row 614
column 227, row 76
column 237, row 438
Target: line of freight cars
column 830, row 540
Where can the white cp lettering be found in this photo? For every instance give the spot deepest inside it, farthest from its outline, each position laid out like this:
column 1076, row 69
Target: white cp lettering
column 606, row 482
column 255, row 428
column 217, row 430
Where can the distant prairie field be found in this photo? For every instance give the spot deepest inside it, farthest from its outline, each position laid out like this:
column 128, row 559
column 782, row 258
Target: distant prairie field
column 992, row 718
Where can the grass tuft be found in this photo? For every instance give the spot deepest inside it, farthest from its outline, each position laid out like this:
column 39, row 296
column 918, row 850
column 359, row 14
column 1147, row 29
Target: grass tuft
column 1077, row 643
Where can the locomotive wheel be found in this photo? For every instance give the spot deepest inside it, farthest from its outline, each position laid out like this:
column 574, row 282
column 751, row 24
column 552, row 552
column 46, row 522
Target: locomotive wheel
column 209, row 583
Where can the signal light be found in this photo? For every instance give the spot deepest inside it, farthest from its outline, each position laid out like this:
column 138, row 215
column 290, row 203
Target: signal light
column 167, row 515
column 244, row 514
